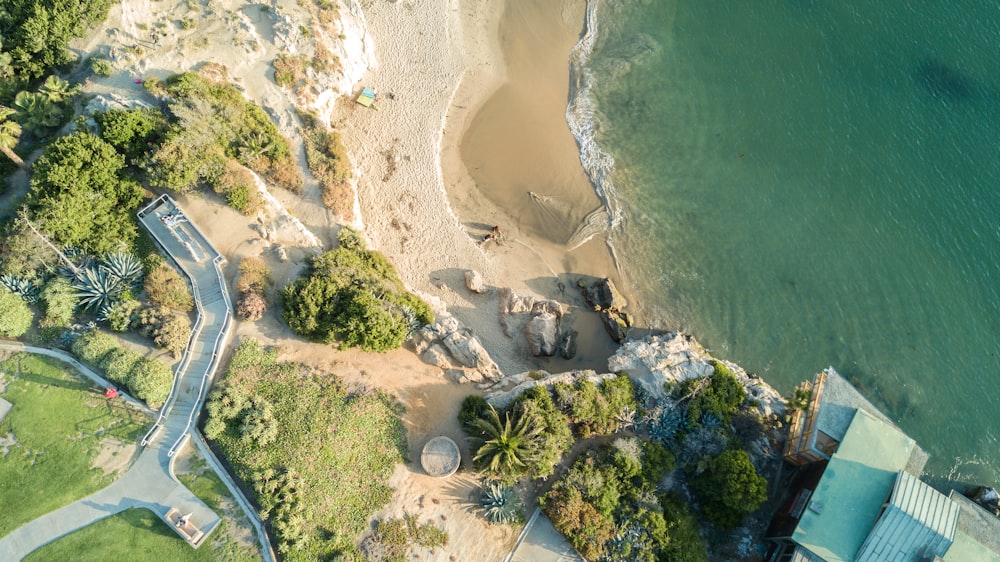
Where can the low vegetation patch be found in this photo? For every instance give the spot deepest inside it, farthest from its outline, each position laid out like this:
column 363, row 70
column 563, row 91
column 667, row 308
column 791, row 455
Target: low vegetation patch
column 57, row 423
column 316, row 456
column 394, row 539
column 353, row 297
column 255, row 280
column 328, row 162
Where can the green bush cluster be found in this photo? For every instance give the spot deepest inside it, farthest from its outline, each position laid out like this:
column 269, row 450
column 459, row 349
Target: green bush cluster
column 167, row 328
column 211, row 124
column 131, row 130
column 58, row 302
column 147, row 379
column 81, row 197
column 353, row 297
column 721, row 398
column 730, row 489
column 608, row 508
column 15, row 316
column 101, row 66
column 331, row 455
column 597, row 410
column 36, row 35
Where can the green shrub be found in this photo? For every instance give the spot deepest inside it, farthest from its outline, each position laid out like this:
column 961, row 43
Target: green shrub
column 328, row 162
column 131, row 130
column 474, row 407
column 123, row 315
column 93, row 346
column 168, row 329
column 101, row 66
column 15, row 316
column 555, row 437
column 721, row 397
column 729, row 489
column 353, row 298
column 151, row 380
column 59, row 301
column 166, row 288
column 118, row 365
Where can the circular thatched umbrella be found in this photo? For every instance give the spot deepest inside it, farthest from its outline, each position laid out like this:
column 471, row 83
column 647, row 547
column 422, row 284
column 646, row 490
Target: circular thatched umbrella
column 440, row 457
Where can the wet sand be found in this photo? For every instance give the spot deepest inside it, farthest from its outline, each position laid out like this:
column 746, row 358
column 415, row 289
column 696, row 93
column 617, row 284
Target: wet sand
column 511, row 140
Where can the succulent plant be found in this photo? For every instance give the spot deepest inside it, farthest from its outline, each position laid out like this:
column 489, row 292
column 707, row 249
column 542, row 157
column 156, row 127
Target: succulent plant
column 97, row 289
column 20, row 287
column 125, row 266
column 664, row 427
column 500, row 504
column 711, row 421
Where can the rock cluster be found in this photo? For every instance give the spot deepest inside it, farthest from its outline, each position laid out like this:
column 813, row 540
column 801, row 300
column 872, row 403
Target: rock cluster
column 453, row 348
column 543, row 328
column 676, row 357
column 604, row 298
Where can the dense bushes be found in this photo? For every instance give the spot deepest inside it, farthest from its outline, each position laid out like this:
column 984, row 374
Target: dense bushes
column 167, row 328
column 730, row 488
column 146, row 379
column 212, row 124
column 720, row 398
column 35, row 37
column 598, row 410
column 15, row 316
column 607, row 506
column 59, row 300
column 79, row 196
column 353, row 297
column 131, row 130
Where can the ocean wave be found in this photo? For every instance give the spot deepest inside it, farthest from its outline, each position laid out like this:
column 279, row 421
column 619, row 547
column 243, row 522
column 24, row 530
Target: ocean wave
column 584, row 121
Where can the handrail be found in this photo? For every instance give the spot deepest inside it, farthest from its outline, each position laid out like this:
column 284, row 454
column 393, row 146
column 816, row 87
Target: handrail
column 195, row 331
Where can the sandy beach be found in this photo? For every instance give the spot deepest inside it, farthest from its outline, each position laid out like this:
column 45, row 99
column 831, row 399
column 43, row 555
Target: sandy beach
column 471, row 119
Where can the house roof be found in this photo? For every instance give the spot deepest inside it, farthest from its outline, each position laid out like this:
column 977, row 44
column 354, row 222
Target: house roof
column 917, row 523
column 978, row 532
column 856, row 482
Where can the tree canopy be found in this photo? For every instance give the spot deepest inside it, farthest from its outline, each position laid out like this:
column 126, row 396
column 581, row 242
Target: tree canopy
column 730, row 488
column 79, row 196
column 15, row 316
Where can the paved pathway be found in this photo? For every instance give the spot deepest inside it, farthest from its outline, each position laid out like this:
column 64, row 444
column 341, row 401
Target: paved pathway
column 150, row 482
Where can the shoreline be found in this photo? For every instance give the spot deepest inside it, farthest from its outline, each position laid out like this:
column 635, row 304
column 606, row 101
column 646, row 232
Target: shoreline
column 441, row 65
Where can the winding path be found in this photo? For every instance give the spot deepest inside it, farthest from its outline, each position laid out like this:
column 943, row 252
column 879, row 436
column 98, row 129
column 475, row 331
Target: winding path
column 150, row 482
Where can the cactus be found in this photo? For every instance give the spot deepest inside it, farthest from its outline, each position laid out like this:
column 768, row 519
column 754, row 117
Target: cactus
column 97, row 289
column 500, row 504
column 124, row 266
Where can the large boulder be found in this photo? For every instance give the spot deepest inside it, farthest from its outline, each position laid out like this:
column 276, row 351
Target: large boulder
column 542, row 333
column 616, row 322
column 474, row 282
column 567, row 344
column 602, row 294
column 468, row 352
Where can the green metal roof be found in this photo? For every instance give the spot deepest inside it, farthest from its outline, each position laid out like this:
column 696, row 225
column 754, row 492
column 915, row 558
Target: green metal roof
column 918, row 522
column 855, row 484
column 965, row 549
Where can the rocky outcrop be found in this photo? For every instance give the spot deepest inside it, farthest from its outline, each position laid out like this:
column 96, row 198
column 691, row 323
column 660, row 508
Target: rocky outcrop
column 674, row 357
column 452, row 347
column 542, row 333
column 474, row 282
column 604, row 298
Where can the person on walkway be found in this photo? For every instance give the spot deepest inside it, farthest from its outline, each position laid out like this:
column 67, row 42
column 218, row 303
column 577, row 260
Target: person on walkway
column 184, row 520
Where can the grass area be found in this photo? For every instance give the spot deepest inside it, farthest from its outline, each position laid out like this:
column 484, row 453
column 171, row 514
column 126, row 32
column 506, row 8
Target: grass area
column 58, row 422
column 316, row 455
column 135, row 535
column 207, row 485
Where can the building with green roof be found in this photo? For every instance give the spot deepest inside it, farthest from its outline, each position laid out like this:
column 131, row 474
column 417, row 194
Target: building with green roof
column 857, row 493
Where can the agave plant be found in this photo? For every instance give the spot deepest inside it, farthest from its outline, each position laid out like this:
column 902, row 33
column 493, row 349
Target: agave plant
column 20, row 287
column 711, row 421
column 500, row 504
column 125, row 266
column 664, row 427
column 97, row 289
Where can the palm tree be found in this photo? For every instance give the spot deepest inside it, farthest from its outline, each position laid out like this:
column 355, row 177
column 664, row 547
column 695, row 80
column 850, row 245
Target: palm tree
column 506, row 445
column 10, row 133
column 35, row 111
column 58, row 90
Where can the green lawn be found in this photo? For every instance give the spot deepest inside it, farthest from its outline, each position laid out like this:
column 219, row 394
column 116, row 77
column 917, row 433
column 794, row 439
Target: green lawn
column 58, row 422
column 132, row 535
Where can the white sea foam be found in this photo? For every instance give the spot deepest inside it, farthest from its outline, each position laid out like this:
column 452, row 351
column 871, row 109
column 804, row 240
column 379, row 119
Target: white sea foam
column 584, row 120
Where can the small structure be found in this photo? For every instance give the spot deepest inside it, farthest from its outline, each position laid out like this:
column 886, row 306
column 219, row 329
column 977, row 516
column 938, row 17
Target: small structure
column 440, row 457
column 367, row 98
column 184, row 527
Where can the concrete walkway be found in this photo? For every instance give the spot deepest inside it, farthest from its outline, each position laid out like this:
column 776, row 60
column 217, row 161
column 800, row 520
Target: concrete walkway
column 541, row 542
column 150, row 482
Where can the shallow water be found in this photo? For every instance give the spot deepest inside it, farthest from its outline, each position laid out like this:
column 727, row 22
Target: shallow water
column 806, row 184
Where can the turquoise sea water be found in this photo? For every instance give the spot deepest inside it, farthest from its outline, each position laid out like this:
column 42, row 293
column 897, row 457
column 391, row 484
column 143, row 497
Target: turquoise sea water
column 805, row 183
